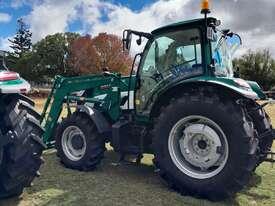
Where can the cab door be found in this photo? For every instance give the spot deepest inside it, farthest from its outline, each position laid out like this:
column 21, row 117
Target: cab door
column 170, row 57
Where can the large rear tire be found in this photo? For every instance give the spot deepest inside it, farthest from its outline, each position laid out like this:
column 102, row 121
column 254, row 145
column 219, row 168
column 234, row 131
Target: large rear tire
column 204, row 146
column 78, row 143
column 21, row 147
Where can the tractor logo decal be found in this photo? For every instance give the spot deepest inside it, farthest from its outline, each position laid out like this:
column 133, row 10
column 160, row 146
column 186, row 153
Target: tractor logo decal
column 185, row 70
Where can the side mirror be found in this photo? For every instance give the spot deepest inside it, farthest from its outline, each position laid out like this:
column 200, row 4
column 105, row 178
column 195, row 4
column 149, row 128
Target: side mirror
column 127, row 39
column 234, row 39
column 233, row 42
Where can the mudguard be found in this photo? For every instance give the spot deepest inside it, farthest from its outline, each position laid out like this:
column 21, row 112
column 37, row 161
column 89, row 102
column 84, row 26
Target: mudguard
column 237, row 85
column 248, row 89
column 97, row 117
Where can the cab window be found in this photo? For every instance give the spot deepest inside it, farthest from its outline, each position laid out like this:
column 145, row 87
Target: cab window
column 170, row 56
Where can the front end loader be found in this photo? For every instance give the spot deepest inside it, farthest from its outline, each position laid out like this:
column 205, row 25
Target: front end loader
column 20, row 134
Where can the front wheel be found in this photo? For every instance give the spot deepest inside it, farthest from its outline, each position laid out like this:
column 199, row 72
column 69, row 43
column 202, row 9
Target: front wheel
column 78, row 143
column 204, row 147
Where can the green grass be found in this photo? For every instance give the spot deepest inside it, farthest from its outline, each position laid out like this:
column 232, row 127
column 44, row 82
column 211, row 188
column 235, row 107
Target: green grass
column 128, row 184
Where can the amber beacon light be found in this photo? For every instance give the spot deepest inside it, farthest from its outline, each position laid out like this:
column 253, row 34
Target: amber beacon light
column 205, row 7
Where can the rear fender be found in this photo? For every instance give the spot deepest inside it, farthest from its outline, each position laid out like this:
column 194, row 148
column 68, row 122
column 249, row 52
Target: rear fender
column 245, row 92
column 97, row 117
column 165, row 96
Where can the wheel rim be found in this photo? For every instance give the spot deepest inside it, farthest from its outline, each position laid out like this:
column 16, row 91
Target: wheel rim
column 73, row 143
column 198, row 147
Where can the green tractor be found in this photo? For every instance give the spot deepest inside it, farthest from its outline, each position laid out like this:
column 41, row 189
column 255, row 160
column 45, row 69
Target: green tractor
column 204, row 126
column 20, row 132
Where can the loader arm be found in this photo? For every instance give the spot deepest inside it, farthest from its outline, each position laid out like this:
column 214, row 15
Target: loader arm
column 62, row 93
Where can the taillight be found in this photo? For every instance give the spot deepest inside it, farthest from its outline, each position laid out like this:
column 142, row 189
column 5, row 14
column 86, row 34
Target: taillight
column 6, row 76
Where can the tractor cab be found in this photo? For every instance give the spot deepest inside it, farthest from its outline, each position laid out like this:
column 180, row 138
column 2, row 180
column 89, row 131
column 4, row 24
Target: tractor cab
column 177, row 48
column 186, row 53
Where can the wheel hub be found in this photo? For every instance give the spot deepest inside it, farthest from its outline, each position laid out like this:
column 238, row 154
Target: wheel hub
column 77, row 142
column 73, row 143
column 202, row 144
column 198, row 146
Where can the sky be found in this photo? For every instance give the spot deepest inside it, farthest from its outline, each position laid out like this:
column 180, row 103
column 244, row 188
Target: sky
column 254, row 20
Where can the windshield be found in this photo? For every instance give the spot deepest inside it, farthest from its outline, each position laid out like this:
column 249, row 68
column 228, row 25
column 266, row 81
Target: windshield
column 223, row 50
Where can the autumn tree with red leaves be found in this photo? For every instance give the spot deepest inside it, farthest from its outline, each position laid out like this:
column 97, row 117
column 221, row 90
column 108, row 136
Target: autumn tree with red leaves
column 91, row 55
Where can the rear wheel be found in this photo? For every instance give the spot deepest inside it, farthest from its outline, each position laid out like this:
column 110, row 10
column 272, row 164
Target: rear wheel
column 204, row 146
column 78, row 143
column 21, row 147
column 198, row 147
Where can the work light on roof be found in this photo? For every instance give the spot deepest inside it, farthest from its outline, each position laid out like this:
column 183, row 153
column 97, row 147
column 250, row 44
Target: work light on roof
column 205, row 9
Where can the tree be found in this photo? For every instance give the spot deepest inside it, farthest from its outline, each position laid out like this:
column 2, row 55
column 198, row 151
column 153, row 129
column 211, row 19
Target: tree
column 92, row 55
column 47, row 58
column 26, row 65
column 21, row 42
column 51, row 53
column 257, row 66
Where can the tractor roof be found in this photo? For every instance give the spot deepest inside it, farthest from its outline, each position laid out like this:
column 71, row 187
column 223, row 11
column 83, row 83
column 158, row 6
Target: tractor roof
column 188, row 23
